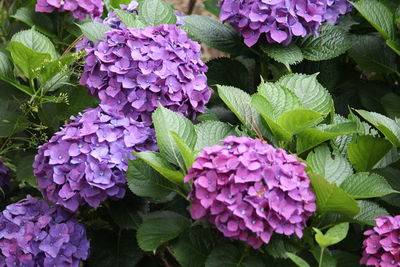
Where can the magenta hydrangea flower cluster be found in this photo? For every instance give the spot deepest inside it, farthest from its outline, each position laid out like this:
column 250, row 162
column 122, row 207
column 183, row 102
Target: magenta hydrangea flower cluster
column 135, row 70
column 86, row 161
column 278, row 20
column 249, row 190
column 382, row 245
column 34, row 234
column 79, row 8
column 4, row 178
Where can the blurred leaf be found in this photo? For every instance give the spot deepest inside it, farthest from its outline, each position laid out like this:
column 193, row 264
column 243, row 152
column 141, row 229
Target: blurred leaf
column 227, row 255
column 160, row 227
column 11, row 119
column 127, row 212
column 211, row 6
column 297, row 260
column 156, row 12
column 227, row 71
column 333, row 236
column 390, row 103
column 287, row 55
column 394, row 45
column 25, row 170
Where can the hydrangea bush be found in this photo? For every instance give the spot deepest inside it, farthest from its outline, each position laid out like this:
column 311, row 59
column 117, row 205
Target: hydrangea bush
column 267, row 134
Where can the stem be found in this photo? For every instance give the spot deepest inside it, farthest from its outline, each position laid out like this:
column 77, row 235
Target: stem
column 321, row 257
column 192, row 4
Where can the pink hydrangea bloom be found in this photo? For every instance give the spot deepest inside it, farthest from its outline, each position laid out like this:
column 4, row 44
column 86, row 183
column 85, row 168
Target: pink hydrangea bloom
column 79, row 8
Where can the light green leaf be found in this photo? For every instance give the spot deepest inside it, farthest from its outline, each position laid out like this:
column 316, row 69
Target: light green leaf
column 213, row 33
column 331, row 198
column 380, row 17
column 161, row 165
column 312, row 137
column 309, row 91
column 369, row 212
column 387, row 126
column 297, row 260
column 130, row 20
column 331, row 41
column 366, row 185
column 36, row 41
column 333, row 236
column 187, row 153
column 156, row 12
column 160, row 227
column 165, row 121
column 334, row 167
column 209, row 133
column 365, row 151
column 287, row 55
column 296, row 120
column 94, row 31
column 144, row 181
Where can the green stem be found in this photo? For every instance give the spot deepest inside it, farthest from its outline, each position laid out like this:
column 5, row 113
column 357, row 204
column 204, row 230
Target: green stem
column 321, row 257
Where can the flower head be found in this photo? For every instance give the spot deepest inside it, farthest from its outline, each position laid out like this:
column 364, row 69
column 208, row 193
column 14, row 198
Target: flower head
column 382, row 245
column 87, row 160
column 335, row 8
column 250, row 190
column 34, row 234
column 4, row 178
column 135, row 70
column 79, row 8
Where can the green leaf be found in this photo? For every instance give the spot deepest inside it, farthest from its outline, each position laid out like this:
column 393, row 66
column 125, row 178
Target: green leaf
column 156, row 12
column 331, row 198
column 334, row 167
column 369, row 212
column 212, row 7
column 279, row 245
column 186, row 152
column 297, row 260
column 390, row 103
column 345, row 259
column 389, row 128
column 130, row 20
column 327, row 260
column 56, row 67
column 6, row 67
column 213, row 33
column 331, row 41
column 297, row 120
column 380, row 17
column 227, row 255
column 209, row 133
column 160, row 227
column 36, row 41
column 287, row 55
column 94, row 31
column 394, row 45
column 365, row 151
column 309, row 91
column 113, row 248
column 144, row 181
column 366, row 185
column 239, row 103
column 161, row 165
column 312, row 137
column 127, row 213
column 372, row 55
column 227, row 71
column 25, row 170
column 165, row 121
column 193, row 247
column 333, row 236
column 29, row 61
column 11, row 119
column 41, row 21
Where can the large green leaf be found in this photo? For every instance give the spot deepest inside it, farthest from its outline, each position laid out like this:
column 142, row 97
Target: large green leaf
column 41, row 21
column 36, row 41
column 156, row 12
column 330, row 42
column 333, row 236
column 161, row 165
column 294, row 121
column 365, row 151
column 94, row 31
column 165, row 121
column 369, row 212
column 160, row 227
column 211, row 132
column 331, row 198
column 144, row 181
column 213, row 33
column 227, row 255
column 130, row 20
column 334, row 167
column 384, row 124
column 6, row 67
column 287, row 55
column 309, row 91
column 380, row 16
column 366, row 185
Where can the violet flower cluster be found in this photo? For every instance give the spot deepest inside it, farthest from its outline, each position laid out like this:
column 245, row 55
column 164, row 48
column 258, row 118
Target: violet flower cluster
column 79, row 8
column 34, row 234
column 249, row 190
column 279, row 20
column 382, row 245
column 135, row 70
column 4, row 178
column 86, row 161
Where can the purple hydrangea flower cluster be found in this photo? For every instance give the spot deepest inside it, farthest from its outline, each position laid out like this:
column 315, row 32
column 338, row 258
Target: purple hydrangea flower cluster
column 278, row 20
column 86, row 161
column 249, row 190
column 135, row 70
column 336, row 8
column 382, row 246
column 4, row 178
column 79, row 8
column 34, row 234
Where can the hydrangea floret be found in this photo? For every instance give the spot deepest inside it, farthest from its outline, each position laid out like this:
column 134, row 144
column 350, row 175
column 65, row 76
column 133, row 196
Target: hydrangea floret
column 86, row 161
column 249, row 190
column 79, row 8
column 382, row 245
column 34, row 234
column 136, row 70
